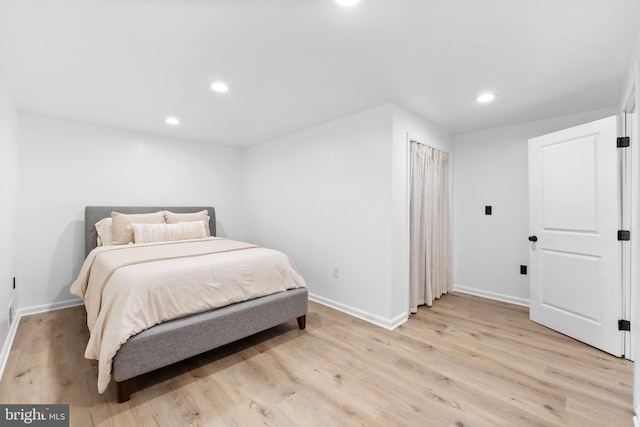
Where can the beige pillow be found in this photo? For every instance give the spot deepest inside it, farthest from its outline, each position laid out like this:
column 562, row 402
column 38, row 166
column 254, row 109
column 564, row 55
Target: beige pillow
column 173, row 218
column 123, row 235
column 147, row 233
column 103, row 228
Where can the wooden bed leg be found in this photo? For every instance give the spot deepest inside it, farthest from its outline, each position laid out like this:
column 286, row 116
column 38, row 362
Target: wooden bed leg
column 302, row 321
column 124, row 390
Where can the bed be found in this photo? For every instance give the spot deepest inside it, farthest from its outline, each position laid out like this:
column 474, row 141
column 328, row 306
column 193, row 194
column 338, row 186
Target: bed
column 175, row 340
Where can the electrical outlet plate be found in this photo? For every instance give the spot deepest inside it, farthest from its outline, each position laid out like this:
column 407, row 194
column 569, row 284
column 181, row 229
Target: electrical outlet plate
column 336, row 272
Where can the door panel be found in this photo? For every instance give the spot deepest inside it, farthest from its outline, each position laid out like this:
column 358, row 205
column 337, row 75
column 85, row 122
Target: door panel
column 575, row 280
column 569, row 197
column 560, row 271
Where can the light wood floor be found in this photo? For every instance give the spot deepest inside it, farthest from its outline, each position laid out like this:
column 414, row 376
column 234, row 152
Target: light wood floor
column 466, row 361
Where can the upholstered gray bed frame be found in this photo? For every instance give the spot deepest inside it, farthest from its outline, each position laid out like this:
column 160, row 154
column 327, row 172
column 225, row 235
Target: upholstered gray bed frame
column 179, row 339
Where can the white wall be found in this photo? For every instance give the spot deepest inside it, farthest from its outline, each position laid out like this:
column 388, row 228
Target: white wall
column 65, row 166
column 8, row 195
column 322, row 196
column 492, row 169
column 407, row 125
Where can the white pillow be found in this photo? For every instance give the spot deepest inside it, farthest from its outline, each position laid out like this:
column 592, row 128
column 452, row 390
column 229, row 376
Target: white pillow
column 147, row 233
column 122, row 234
column 173, row 218
column 103, row 227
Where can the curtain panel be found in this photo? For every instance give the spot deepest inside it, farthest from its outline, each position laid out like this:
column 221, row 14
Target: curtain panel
column 431, row 264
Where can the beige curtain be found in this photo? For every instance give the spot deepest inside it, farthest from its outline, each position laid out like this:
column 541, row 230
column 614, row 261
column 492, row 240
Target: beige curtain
column 430, row 226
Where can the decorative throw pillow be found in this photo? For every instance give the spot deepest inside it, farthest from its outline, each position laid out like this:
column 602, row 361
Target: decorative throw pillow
column 123, row 235
column 103, row 228
column 173, row 218
column 147, row 233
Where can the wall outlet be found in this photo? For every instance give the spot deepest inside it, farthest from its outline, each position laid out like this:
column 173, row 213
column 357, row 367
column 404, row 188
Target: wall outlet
column 336, row 272
column 523, row 269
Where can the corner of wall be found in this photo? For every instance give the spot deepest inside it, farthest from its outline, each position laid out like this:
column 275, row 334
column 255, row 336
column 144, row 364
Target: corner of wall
column 389, row 323
column 9, row 190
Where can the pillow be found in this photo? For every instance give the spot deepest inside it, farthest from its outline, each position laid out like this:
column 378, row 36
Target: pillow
column 173, row 218
column 103, row 228
column 147, row 233
column 123, row 235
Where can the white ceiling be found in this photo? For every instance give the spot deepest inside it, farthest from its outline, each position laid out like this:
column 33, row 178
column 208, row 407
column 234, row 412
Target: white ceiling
column 291, row 64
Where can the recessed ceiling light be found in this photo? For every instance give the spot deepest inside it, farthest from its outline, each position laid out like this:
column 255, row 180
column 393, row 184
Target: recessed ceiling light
column 172, row 121
column 486, row 97
column 347, row 3
column 219, row 87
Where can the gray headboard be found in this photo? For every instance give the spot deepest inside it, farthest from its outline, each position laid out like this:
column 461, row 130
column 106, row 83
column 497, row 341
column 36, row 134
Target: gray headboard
column 93, row 214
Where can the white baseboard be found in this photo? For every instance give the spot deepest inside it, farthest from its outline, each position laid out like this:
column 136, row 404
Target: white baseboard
column 491, row 295
column 43, row 308
column 383, row 322
column 8, row 342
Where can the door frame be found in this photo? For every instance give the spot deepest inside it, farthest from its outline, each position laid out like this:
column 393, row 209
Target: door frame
column 631, row 104
column 631, row 100
column 631, row 215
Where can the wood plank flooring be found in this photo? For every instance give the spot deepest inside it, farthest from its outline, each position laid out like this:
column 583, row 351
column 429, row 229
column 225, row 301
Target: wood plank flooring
column 466, row 361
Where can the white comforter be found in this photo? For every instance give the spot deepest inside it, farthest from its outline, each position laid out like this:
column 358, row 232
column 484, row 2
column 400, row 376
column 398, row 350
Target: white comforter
column 127, row 289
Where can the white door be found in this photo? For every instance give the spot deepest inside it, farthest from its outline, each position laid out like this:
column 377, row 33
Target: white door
column 575, row 265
